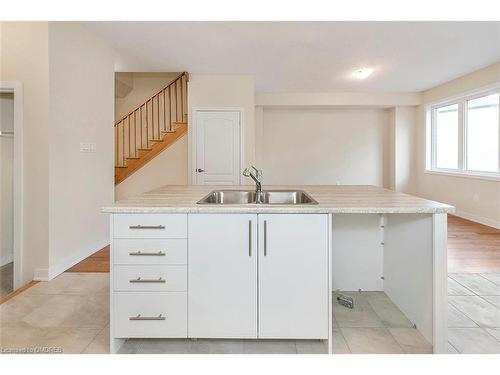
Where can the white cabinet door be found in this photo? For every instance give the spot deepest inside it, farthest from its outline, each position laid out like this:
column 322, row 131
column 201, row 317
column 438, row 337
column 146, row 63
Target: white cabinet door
column 217, row 147
column 293, row 276
column 222, row 275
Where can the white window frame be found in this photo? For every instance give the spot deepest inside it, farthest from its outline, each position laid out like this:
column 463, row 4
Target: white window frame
column 431, row 145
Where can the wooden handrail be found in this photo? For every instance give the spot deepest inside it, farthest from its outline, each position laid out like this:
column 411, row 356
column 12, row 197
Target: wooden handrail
column 158, row 93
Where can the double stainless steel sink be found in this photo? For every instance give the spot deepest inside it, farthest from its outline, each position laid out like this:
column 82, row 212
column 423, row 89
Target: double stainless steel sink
column 290, row 197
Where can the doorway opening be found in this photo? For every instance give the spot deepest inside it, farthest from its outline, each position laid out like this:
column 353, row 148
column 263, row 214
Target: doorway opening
column 10, row 187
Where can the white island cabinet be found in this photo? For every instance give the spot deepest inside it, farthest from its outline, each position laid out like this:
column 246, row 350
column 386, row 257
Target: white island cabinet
column 222, row 276
column 263, row 271
column 258, row 276
column 293, row 276
column 149, row 276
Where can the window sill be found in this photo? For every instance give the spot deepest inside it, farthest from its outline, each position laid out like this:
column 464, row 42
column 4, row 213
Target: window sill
column 477, row 176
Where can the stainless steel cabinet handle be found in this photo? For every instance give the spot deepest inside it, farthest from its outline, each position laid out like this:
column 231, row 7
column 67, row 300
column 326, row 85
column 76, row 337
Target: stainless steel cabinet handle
column 6, row 134
column 139, row 317
column 147, row 227
column 265, row 237
column 140, row 253
column 249, row 238
column 139, row 280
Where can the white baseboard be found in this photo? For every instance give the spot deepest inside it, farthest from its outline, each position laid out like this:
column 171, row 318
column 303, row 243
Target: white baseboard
column 69, row 261
column 6, row 259
column 41, row 274
column 478, row 219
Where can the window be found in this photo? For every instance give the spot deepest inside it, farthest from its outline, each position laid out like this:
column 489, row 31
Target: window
column 465, row 135
column 447, row 137
column 482, row 133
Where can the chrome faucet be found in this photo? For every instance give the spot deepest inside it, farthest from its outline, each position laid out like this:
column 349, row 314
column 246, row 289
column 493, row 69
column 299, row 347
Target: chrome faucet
column 255, row 175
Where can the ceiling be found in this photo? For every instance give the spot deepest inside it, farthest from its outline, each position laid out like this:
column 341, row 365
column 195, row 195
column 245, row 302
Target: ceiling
column 308, row 56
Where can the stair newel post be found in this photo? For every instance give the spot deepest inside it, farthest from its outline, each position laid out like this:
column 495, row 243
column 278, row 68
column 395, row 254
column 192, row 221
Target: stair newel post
column 129, row 137
column 158, row 114
column 165, row 127
column 170, row 108
column 140, row 125
column 164, row 112
column 152, row 119
column 135, row 135
column 147, row 125
column 182, row 102
column 177, row 100
column 123, row 142
column 116, row 145
column 174, row 87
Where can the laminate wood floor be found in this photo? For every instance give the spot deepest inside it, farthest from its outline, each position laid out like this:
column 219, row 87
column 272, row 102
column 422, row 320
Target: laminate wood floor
column 472, row 247
column 97, row 262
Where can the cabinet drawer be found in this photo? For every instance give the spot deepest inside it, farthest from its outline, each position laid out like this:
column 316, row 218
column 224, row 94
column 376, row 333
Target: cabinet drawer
column 150, row 278
column 150, row 314
column 150, row 225
column 149, row 251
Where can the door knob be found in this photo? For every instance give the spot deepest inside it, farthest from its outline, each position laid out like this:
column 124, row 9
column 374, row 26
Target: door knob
column 199, row 170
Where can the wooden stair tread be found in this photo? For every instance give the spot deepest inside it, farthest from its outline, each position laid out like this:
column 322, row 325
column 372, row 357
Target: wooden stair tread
column 121, row 173
column 163, row 137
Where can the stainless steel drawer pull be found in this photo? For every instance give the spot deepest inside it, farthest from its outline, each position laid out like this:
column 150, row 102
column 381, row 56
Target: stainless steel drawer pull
column 139, row 280
column 147, row 227
column 140, row 253
column 139, row 317
column 249, row 238
column 265, row 238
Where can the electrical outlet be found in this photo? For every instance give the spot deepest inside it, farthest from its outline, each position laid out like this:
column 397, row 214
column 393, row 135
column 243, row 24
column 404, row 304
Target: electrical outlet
column 87, row 147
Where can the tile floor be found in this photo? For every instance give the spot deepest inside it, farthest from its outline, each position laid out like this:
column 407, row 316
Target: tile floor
column 6, row 278
column 68, row 314
column 375, row 325
column 474, row 313
column 71, row 314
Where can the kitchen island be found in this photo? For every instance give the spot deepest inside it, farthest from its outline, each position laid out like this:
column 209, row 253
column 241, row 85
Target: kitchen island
column 263, row 271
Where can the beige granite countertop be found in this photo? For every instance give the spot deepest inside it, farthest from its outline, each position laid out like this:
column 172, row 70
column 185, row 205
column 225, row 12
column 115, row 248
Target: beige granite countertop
column 331, row 199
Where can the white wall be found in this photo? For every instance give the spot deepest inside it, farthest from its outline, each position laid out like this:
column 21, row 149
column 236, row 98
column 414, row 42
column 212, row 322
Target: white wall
column 322, row 146
column 225, row 91
column 68, row 103
column 124, row 84
column 6, row 179
column 167, row 168
column 81, row 110
column 338, row 99
column 402, row 149
column 24, row 57
column 476, row 199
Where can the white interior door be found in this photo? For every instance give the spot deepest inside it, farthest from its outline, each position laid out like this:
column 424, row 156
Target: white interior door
column 218, row 147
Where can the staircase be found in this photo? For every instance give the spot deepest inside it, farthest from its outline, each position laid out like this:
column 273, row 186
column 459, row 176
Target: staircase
column 151, row 128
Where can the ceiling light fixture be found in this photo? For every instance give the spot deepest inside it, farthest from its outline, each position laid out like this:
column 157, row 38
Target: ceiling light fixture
column 362, row 73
